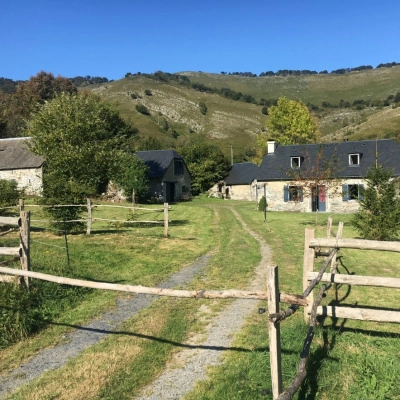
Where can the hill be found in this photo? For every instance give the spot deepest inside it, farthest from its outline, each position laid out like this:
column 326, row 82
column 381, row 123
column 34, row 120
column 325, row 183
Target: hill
column 355, row 105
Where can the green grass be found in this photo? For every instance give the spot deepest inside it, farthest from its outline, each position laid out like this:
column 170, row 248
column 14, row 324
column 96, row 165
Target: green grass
column 348, row 359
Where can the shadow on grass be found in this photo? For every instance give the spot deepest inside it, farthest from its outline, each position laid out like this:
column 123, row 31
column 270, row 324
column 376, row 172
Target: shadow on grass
column 167, row 341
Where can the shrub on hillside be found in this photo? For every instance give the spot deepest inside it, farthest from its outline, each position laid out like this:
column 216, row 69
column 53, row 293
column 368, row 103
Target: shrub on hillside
column 142, row 109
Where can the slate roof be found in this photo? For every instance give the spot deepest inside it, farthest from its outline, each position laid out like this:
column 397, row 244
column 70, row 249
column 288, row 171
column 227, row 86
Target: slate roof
column 14, row 154
column 274, row 166
column 158, row 161
column 241, row 174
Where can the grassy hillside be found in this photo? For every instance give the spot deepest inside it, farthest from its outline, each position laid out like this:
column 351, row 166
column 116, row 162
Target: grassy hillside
column 175, row 115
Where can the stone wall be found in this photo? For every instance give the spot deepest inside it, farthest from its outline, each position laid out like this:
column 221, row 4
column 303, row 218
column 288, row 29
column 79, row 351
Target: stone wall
column 30, row 180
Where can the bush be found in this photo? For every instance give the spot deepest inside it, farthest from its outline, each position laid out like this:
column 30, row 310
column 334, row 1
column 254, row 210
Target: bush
column 262, row 204
column 142, row 109
column 9, row 193
column 203, row 108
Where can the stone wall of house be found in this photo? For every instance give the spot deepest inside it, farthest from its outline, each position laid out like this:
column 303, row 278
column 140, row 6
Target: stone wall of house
column 240, row 192
column 29, row 179
column 334, row 199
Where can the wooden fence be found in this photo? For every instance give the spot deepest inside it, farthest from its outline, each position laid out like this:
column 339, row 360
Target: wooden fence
column 313, row 247
column 22, row 252
column 90, row 219
column 328, row 247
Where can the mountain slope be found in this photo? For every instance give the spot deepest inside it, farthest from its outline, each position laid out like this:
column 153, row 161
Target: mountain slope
column 175, row 115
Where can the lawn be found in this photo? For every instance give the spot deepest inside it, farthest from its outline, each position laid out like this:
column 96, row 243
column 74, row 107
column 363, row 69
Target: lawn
column 348, row 359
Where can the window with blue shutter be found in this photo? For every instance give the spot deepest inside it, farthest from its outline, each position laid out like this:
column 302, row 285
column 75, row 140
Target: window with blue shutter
column 345, row 192
column 286, row 193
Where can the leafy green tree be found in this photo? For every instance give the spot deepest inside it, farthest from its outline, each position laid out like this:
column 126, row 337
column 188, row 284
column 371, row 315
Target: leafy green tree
column 130, row 174
column 82, row 138
column 378, row 217
column 290, row 122
column 206, row 164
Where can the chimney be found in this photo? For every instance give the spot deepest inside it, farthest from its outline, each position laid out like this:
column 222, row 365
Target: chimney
column 272, row 145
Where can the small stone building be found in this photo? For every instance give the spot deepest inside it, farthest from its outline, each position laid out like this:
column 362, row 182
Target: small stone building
column 239, row 184
column 18, row 164
column 169, row 178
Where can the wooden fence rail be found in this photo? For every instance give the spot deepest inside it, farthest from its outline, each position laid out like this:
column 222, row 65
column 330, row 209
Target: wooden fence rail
column 312, row 248
column 90, row 219
column 196, row 294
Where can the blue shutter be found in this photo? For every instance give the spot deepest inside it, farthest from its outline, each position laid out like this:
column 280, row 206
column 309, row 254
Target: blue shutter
column 361, row 192
column 300, row 190
column 345, row 192
column 286, row 193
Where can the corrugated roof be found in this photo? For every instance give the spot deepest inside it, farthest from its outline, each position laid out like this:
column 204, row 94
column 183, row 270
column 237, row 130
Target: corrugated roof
column 241, row 174
column 157, row 161
column 14, row 154
column 385, row 152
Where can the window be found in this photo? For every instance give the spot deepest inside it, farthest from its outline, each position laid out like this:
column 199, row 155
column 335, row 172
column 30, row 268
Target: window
column 352, row 192
column 295, row 162
column 354, row 159
column 293, row 193
column 178, row 167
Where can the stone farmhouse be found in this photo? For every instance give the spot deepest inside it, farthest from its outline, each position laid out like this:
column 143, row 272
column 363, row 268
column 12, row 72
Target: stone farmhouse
column 18, row 164
column 287, row 175
column 169, row 178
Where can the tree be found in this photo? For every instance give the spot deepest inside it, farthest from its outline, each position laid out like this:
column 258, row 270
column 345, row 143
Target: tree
column 16, row 107
column 82, row 138
column 378, row 217
column 206, row 164
column 290, row 122
column 314, row 174
column 130, row 174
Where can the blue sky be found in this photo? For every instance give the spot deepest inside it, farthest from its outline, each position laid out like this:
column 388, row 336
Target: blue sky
column 111, row 38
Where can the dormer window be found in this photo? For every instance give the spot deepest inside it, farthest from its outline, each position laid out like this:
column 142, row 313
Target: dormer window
column 295, row 162
column 354, row 159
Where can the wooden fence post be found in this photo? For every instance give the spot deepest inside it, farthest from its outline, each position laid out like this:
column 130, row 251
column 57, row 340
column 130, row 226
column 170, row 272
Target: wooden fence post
column 21, row 205
column 329, row 227
column 334, row 258
column 308, row 266
column 89, row 217
column 165, row 220
column 133, row 201
column 24, row 243
column 274, row 332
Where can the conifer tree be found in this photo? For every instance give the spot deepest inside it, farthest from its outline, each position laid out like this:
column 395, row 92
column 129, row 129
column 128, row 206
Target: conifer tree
column 378, row 217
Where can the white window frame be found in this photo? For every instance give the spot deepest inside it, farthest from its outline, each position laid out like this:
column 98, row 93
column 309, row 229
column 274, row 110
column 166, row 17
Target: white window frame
column 354, row 157
column 295, row 164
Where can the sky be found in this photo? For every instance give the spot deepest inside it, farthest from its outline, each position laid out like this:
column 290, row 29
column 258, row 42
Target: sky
column 110, row 38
